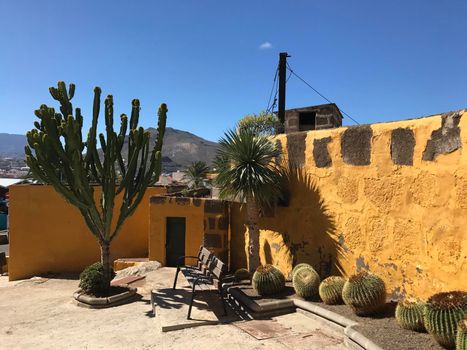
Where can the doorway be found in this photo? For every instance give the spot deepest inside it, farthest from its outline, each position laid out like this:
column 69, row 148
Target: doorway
column 175, row 241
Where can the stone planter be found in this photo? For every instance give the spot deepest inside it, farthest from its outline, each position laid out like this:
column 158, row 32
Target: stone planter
column 92, row 302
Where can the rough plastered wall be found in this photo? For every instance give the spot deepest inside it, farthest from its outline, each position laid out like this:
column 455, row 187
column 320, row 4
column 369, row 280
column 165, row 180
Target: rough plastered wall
column 389, row 197
column 206, row 223
column 49, row 235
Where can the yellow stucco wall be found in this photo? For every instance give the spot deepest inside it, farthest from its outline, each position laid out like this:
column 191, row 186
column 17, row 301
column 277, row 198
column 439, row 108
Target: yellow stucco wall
column 49, row 235
column 408, row 224
column 206, row 224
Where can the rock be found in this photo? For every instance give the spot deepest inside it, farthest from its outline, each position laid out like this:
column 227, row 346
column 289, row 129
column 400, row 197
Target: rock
column 141, row 269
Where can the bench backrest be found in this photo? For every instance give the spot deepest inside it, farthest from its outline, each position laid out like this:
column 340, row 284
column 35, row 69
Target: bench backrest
column 217, row 268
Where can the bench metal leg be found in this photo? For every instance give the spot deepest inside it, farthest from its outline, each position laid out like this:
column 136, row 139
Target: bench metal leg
column 176, row 276
column 191, row 301
column 223, row 301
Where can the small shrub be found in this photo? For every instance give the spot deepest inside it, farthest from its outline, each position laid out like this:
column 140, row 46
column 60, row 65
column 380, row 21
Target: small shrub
column 268, row 280
column 330, row 290
column 91, row 280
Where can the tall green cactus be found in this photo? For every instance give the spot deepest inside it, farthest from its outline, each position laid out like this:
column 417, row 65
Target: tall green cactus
column 57, row 155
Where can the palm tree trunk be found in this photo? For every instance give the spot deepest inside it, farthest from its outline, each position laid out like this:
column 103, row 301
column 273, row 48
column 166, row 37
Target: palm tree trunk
column 105, row 260
column 253, row 234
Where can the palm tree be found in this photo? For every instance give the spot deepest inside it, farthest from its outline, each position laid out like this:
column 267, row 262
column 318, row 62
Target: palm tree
column 196, row 174
column 248, row 172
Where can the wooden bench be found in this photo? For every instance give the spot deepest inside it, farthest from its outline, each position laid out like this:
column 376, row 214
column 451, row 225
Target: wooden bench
column 207, row 276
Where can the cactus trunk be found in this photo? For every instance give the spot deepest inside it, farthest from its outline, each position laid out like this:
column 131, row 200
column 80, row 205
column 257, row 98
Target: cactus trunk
column 105, row 260
column 253, row 234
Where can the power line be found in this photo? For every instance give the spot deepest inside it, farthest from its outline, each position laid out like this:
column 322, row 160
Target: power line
column 319, row 93
column 271, row 108
column 272, row 89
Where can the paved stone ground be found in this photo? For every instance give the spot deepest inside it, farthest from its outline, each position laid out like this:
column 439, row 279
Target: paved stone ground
column 39, row 314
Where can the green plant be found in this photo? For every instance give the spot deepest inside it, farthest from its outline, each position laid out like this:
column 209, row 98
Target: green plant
column 409, row 315
column 92, row 281
column 242, row 274
column 298, row 266
column 268, row 280
column 305, row 282
column 461, row 338
column 330, row 290
column 58, row 154
column 365, row 293
column 443, row 311
column 196, row 174
column 262, row 124
column 247, row 171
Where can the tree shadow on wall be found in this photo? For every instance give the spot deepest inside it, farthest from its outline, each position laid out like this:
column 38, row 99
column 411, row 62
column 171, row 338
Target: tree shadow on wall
column 302, row 227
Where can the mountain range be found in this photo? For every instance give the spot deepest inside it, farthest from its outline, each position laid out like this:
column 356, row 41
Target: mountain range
column 179, row 149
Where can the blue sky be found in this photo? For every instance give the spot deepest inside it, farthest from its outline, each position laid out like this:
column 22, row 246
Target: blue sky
column 378, row 60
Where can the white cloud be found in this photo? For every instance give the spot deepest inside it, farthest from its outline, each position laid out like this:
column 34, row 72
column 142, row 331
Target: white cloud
column 266, row 45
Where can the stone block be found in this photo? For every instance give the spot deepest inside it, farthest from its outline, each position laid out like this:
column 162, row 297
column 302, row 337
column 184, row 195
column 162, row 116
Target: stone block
column 212, row 240
column 182, row 201
column 296, row 145
column 214, row 206
column 321, row 153
column 158, row 200
column 402, row 146
column 446, row 139
column 356, row 145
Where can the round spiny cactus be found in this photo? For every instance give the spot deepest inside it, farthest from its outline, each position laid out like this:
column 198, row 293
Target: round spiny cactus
column 442, row 313
column 365, row 293
column 268, row 280
column 306, row 282
column 409, row 315
column 299, row 266
column 330, row 290
column 461, row 338
column 242, row 274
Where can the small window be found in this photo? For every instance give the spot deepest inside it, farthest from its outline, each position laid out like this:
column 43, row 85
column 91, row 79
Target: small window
column 306, row 120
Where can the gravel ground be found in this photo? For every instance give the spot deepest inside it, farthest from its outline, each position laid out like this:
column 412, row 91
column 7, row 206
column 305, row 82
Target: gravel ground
column 384, row 331
column 39, row 314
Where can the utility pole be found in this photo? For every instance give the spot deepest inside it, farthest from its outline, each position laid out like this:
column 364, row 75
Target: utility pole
column 282, row 70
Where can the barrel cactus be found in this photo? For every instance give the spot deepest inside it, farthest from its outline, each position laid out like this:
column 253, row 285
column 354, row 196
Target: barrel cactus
column 268, row 280
column 443, row 311
column 461, row 339
column 242, row 274
column 299, row 266
column 330, row 290
column 409, row 315
column 365, row 293
column 306, row 282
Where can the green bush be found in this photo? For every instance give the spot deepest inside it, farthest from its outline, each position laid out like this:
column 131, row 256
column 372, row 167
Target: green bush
column 330, row 290
column 443, row 312
column 91, row 280
column 409, row 315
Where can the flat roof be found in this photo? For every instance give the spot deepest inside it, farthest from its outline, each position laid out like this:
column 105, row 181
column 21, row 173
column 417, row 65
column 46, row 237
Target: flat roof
column 7, row 182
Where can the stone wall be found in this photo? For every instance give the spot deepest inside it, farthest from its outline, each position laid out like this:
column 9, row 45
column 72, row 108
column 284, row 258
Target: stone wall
column 389, row 197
